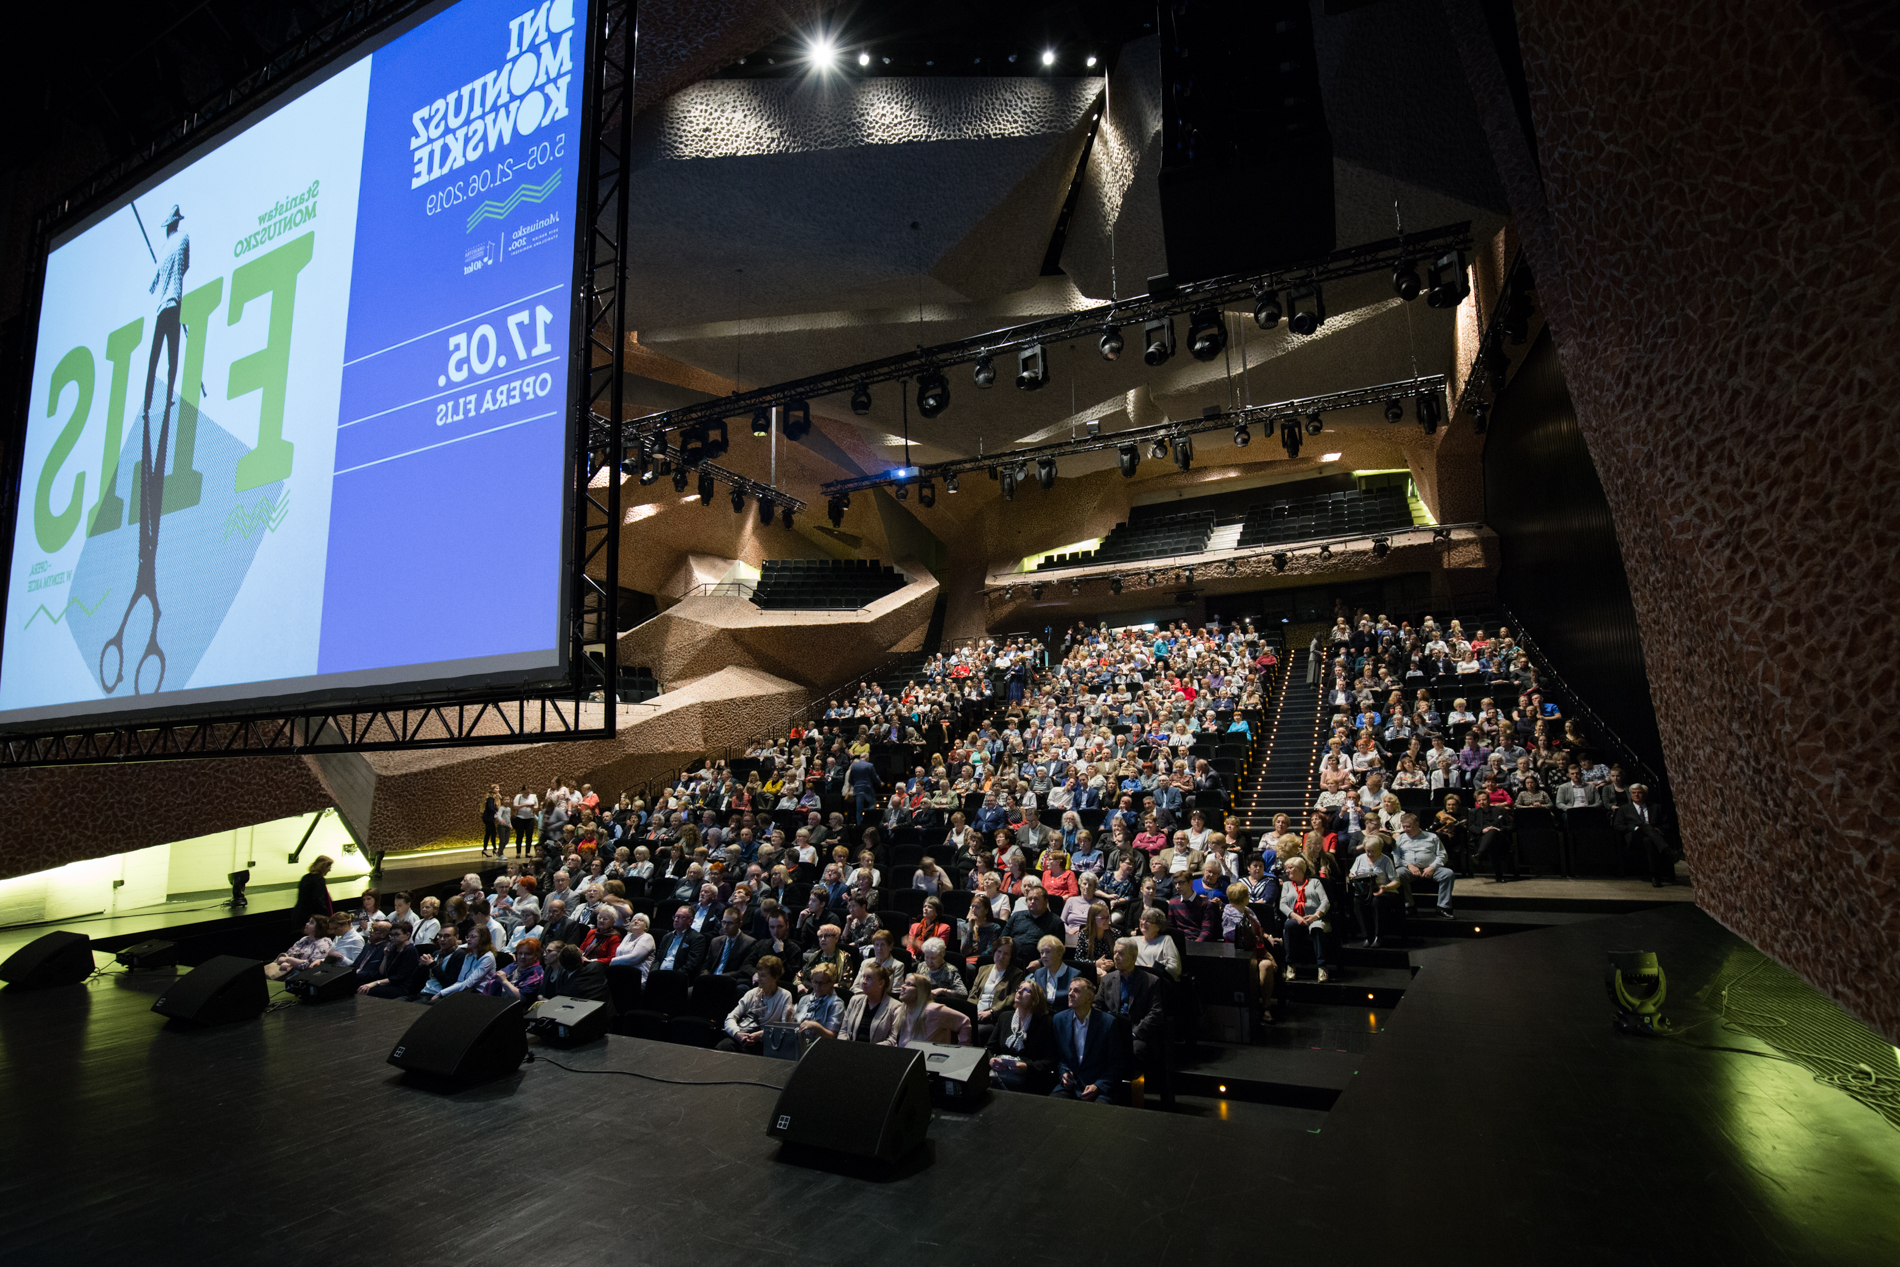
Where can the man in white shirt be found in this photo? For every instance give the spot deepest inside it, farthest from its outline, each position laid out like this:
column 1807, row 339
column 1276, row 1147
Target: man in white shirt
column 1421, row 858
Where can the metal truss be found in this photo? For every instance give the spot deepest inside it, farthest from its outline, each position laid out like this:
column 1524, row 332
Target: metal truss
column 595, row 576
column 1212, row 420
column 458, row 725
column 1235, row 290
column 663, row 458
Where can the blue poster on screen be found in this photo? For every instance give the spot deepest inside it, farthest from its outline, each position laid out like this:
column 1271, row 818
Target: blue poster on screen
column 298, row 410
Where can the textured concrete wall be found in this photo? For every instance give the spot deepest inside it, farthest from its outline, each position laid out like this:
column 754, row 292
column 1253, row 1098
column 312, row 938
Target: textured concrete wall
column 1713, row 224
column 70, row 813
column 425, row 796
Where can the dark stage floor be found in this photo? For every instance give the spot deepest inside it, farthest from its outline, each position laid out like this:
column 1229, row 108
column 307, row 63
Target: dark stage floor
column 1497, row 1119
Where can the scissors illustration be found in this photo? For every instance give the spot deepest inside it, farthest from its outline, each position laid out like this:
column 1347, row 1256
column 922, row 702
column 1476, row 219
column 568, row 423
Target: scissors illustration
column 151, row 503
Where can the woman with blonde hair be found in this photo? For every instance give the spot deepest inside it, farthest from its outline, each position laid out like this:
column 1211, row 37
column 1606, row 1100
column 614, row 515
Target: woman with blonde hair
column 922, row 1019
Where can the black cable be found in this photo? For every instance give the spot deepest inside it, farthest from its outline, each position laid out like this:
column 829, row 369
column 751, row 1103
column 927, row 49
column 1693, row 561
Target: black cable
column 675, row 1082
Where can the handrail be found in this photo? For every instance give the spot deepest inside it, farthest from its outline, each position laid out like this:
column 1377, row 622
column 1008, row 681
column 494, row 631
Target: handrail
column 1127, row 567
column 1550, row 676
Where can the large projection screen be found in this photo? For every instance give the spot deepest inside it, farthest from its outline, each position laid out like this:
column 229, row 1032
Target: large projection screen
column 345, row 326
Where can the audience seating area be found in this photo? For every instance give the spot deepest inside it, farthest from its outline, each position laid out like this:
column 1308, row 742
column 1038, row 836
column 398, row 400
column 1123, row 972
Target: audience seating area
column 1155, row 537
column 824, row 584
column 1327, row 515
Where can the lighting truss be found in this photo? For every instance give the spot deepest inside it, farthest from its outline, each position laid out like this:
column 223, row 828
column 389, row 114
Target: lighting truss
column 1261, row 415
column 731, row 479
column 1235, row 291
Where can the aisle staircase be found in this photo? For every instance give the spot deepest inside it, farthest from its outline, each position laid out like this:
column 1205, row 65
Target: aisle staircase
column 1285, row 780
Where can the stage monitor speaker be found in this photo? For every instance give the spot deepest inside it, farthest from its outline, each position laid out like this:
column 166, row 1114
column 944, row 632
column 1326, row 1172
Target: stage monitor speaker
column 220, row 990
column 55, row 959
column 322, row 982
column 149, row 954
column 570, row 1021
column 959, row 1076
column 465, row 1038
column 859, row 1098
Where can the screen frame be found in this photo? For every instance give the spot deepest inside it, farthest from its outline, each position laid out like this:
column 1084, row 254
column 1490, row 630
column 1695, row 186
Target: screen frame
column 70, row 217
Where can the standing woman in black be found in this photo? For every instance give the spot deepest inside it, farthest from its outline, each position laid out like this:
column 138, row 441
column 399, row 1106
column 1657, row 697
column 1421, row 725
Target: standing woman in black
column 313, row 890
column 491, row 833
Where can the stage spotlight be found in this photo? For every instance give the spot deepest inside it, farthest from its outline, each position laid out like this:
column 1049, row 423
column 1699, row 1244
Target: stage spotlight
column 1394, row 410
column 1426, row 408
column 1128, row 457
column 1046, row 472
column 1006, row 484
column 1242, row 436
column 718, row 443
column 1075, row 589
column 1048, row 57
column 761, row 423
column 1267, row 310
column 1381, row 546
column 766, row 507
column 738, row 501
column 1114, row 584
column 679, row 479
column 860, row 399
column 1290, row 437
column 1092, row 428
column 1150, row 577
column 1325, row 552
column 950, row 484
column 1009, row 592
column 705, row 488
column 785, row 517
column 1480, row 411
column 1279, row 561
column 983, row 373
column 901, row 492
column 1637, row 987
column 1233, row 568
column 1035, row 591
column 693, row 446
column 1032, row 368
column 864, row 59
column 1184, row 452
column 1441, row 535
column 1314, row 424
column 1305, row 318
column 1157, row 341
column 1187, row 575
column 1207, row 334
column 834, row 510
column 1110, row 344
column 1159, row 447
column 795, row 423
column 1405, row 280
column 933, row 394
column 823, row 54
column 238, row 880
column 647, row 474
column 1446, row 284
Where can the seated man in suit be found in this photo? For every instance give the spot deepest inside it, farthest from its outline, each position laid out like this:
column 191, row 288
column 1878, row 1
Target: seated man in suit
column 681, row 950
column 1132, row 995
column 1088, row 1056
column 1638, row 821
column 779, row 925
column 575, row 976
column 387, row 970
column 559, row 927
column 730, row 953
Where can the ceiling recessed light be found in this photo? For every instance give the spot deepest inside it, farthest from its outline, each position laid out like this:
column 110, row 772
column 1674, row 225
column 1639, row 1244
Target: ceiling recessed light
column 1048, row 57
column 1329, row 457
